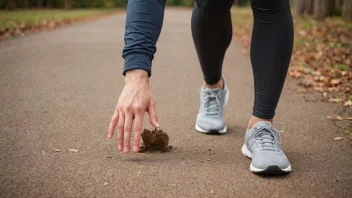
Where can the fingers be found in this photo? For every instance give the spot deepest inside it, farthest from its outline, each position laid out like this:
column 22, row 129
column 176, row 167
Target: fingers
column 113, row 122
column 120, row 127
column 152, row 115
column 127, row 131
column 137, row 131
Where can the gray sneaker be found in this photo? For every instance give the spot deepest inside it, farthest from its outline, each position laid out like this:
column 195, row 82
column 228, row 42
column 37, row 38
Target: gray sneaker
column 210, row 118
column 262, row 145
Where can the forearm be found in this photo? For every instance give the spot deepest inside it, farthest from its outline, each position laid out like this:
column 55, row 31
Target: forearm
column 144, row 21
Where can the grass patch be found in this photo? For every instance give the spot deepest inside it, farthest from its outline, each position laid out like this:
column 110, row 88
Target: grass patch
column 25, row 18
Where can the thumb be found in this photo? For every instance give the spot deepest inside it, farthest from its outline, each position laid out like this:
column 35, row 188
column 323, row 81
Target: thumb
column 152, row 114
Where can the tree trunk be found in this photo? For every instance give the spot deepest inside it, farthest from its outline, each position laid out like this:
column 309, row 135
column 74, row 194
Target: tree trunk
column 25, row 4
column 68, row 4
column 40, row 3
column 347, row 10
column 300, row 6
column 11, row 5
column 310, row 6
column 338, row 3
column 237, row 2
column 323, row 8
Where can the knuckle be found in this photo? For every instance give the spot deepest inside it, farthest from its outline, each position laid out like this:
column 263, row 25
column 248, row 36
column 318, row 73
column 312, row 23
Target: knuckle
column 153, row 117
column 138, row 108
column 137, row 129
column 152, row 102
column 120, row 108
column 120, row 141
column 127, row 129
column 127, row 108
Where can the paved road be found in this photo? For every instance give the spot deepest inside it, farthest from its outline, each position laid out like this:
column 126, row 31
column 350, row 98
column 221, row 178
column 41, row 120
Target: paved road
column 59, row 88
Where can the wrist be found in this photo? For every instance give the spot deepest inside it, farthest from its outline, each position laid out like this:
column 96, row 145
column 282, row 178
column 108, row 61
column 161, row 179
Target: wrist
column 136, row 75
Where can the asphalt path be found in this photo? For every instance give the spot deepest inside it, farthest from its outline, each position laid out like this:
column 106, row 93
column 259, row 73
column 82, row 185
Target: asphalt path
column 58, row 90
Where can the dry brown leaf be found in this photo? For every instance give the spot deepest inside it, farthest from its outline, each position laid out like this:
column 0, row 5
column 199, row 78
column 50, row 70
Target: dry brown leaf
column 330, row 117
column 347, row 118
column 339, row 118
column 338, row 138
column 318, row 89
column 348, row 103
column 336, row 100
column 74, row 150
column 335, row 81
column 301, row 90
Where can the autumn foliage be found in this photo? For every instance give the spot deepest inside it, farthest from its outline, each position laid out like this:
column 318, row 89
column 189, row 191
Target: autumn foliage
column 322, row 57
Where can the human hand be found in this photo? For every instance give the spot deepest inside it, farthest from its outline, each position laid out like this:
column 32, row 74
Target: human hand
column 135, row 99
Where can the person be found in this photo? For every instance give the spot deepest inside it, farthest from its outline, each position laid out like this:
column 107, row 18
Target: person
column 271, row 50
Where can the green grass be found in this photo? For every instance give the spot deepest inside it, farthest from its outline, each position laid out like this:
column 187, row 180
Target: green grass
column 26, row 18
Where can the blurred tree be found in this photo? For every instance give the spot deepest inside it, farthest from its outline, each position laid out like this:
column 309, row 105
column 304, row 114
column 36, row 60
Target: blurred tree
column 237, row 2
column 40, row 3
column 10, row 5
column 324, row 8
column 241, row 2
column 68, row 4
column 26, row 4
column 347, row 9
column 303, row 6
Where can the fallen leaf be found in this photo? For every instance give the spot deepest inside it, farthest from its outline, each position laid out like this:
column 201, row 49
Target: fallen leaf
column 348, row 103
column 336, row 100
column 57, row 150
column 347, row 118
column 339, row 118
column 318, row 89
column 338, row 138
column 301, row 90
column 74, row 150
column 335, row 81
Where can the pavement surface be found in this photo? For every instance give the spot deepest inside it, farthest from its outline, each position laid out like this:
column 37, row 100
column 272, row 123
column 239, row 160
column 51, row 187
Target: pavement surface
column 58, row 89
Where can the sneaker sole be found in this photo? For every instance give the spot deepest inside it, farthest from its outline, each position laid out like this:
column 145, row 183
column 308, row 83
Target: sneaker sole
column 215, row 131
column 270, row 170
column 211, row 131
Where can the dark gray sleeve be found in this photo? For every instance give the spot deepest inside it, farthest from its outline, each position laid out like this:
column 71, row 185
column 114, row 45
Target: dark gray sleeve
column 144, row 20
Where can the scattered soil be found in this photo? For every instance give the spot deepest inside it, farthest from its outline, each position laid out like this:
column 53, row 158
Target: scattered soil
column 156, row 140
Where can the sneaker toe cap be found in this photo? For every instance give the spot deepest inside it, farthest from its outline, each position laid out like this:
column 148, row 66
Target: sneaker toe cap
column 211, row 122
column 263, row 160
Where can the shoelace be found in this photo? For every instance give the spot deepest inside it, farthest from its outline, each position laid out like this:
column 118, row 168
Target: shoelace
column 268, row 137
column 212, row 104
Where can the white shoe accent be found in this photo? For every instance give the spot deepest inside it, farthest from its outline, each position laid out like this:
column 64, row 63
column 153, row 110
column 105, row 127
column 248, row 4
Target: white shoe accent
column 246, row 152
column 207, row 131
column 227, row 96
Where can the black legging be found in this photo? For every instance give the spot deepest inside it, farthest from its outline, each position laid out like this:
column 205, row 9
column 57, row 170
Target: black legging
column 271, row 48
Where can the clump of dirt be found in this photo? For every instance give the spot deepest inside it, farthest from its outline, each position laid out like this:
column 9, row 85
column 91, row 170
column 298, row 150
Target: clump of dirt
column 156, row 140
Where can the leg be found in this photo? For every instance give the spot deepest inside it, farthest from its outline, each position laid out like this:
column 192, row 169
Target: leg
column 212, row 33
column 271, row 49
